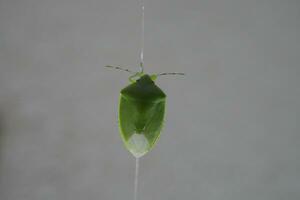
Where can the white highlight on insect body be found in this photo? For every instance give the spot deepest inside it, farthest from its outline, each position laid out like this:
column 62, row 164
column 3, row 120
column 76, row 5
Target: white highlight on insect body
column 138, row 145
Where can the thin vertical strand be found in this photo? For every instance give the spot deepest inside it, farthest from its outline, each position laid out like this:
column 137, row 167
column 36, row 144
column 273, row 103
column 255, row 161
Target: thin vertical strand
column 141, row 2
column 136, row 176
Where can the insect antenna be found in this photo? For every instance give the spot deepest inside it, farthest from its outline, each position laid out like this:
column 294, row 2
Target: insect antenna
column 171, row 73
column 120, row 68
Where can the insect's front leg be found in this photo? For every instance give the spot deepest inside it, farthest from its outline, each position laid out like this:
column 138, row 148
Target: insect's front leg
column 132, row 78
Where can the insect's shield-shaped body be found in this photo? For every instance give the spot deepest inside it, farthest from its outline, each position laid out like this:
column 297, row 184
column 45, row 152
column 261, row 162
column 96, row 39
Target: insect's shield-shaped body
column 141, row 115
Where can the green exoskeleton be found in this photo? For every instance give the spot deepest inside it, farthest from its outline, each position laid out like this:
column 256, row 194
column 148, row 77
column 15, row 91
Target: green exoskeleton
column 141, row 112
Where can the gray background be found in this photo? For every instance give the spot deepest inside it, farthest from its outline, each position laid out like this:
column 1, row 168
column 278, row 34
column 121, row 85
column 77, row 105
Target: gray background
column 231, row 131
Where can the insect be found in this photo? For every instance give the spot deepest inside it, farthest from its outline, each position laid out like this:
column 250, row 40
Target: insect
column 141, row 111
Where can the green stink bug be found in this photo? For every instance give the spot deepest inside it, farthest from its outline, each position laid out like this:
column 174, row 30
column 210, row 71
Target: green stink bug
column 141, row 112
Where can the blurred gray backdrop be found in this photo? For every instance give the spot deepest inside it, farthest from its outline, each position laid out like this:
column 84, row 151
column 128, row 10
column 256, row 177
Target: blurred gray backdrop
column 232, row 128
